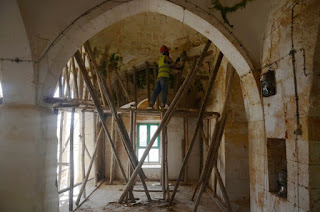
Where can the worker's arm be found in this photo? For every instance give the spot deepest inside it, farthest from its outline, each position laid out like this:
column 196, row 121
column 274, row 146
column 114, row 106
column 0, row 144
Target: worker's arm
column 173, row 64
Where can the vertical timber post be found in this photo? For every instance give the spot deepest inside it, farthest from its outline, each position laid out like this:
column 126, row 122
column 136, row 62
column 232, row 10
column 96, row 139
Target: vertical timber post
column 71, row 165
column 83, row 138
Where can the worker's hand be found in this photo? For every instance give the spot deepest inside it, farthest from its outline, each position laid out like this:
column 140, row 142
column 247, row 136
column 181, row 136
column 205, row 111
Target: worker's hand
column 178, row 60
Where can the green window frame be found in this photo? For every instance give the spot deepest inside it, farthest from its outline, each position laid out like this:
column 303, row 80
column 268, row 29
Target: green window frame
column 144, row 136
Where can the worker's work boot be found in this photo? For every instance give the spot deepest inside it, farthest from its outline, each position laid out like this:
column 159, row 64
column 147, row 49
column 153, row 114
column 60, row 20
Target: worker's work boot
column 164, row 107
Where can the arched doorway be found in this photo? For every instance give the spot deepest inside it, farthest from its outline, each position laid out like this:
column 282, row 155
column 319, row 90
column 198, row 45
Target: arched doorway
column 97, row 19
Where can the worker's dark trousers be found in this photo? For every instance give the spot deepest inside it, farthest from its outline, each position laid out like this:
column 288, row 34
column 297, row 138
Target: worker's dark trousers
column 162, row 86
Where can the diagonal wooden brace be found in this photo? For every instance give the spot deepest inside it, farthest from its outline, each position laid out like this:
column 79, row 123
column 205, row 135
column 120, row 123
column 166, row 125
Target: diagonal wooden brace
column 121, row 127
column 213, row 154
column 103, row 122
column 213, row 77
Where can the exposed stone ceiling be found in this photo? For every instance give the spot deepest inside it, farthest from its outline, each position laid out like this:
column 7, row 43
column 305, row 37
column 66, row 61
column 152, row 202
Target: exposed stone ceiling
column 138, row 39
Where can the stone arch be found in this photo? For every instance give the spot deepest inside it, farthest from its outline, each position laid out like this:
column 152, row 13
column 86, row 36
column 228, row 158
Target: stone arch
column 94, row 21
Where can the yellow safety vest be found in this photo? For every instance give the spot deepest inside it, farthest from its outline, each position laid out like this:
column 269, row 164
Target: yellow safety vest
column 164, row 68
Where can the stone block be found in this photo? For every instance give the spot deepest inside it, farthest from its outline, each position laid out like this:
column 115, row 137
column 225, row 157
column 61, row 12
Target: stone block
column 292, row 171
column 303, row 151
column 303, row 174
column 291, row 150
column 304, row 198
column 256, row 129
column 258, row 178
column 314, row 176
column 313, row 129
column 292, row 192
column 314, row 152
column 275, row 125
column 314, row 103
column 310, row 128
column 315, row 200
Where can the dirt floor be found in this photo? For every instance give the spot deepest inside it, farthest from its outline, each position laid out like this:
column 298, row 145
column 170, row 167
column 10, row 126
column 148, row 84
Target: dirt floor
column 105, row 197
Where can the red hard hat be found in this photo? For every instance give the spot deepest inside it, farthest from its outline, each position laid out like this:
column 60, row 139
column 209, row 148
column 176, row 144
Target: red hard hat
column 164, row 49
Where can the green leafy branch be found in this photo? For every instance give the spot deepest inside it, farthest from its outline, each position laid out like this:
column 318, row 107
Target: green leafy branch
column 225, row 10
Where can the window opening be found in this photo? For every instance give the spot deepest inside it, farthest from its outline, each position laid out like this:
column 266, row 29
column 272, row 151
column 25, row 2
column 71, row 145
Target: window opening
column 145, row 133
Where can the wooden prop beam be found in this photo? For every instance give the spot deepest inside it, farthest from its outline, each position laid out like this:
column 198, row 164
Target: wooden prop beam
column 213, row 155
column 166, row 164
column 213, row 77
column 165, row 120
column 148, row 81
column 121, row 127
column 113, row 136
column 83, row 139
column 68, row 81
column 71, row 166
column 208, row 169
column 60, row 133
column 122, row 86
column 96, row 143
column 104, row 126
column 186, row 146
column 135, row 85
column 163, row 170
column 75, row 79
column 155, row 74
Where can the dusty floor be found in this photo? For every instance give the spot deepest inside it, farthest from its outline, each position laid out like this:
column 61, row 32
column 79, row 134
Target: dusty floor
column 64, row 197
column 105, row 197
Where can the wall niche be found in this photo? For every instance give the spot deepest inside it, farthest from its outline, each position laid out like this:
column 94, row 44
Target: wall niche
column 277, row 166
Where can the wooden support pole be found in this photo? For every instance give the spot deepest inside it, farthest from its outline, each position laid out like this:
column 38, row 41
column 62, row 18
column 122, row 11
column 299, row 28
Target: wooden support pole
column 163, row 169
column 60, row 133
column 208, row 158
column 199, row 120
column 222, row 188
column 71, row 161
column 117, row 93
column 186, row 146
column 96, row 143
column 201, row 150
column 166, row 164
column 75, row 79
column 99, row 85
column 165, row 120
column 155, row 74
column 208, row 169
column 83, row 138
column 132, row 129
column 122, row 86
column 127, row 83
column 121, row 127
column 148, row 81
column 135, row 85
column 103, row 121
column 81, row 86
column 63, row 74
column 113, row 136
column 213, row 155
column 68, row 82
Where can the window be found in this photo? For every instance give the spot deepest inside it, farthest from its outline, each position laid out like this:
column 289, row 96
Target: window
column 145, row 133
